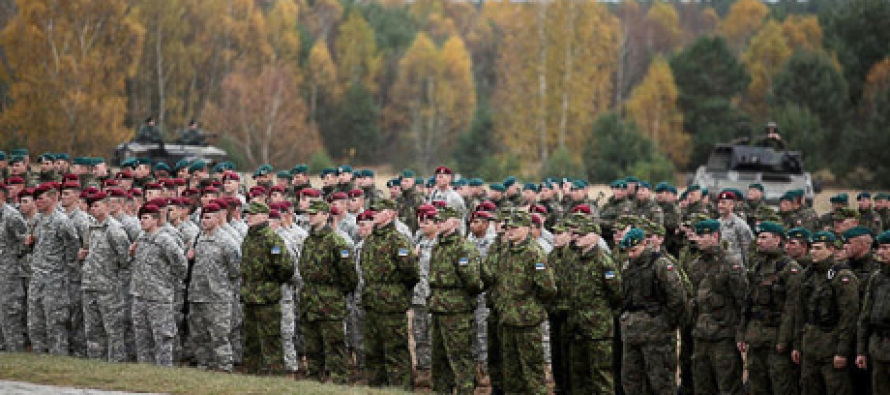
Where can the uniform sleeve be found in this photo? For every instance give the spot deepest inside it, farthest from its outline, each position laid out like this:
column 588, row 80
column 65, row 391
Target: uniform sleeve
column 672, row 289
column 119, row 243
column 486, row 270
column 346, row 266
column 470, row 273
column 406, row 261
column 864, row 327
column 17, row 226
column 281, row 258
column 793, row 277
column 71, row 240
column 737, row 286
column 847, row 286
column 544, row 279
column 178, row 263
column 231, row 262
column 611, row 280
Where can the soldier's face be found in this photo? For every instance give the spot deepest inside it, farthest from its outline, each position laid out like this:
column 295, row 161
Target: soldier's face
column 635, row 251
column 767, row 241
column 654, row 241
column 786, row 205
column 820, row 252
column 365, row 227
column 864, row 203
column 46, row 166
column 256, row 219
column 707, row 240
column 339, row 204
column 406, row 183
column 299, row 178
column 69, row 197
column 18, row 168
column 517, row 234
column 148, row 222
column 530, row 196
column 209, row 221
column 231, row 186
column 579, row 194
column 754, row 194
column 884, row 253
column 277, row 197
column 141, row 171
column 857, row 246
column 99, row 209
column 479, row 225
column 796, row 248
column 725, row 206
column 644, row 193
column 356, row 204
column 443, row 180
column 318, row 219
column 26, row 204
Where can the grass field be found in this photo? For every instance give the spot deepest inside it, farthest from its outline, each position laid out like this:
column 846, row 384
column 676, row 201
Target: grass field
column 80, row 373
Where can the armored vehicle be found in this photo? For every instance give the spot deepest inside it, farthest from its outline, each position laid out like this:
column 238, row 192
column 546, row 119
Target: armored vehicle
column 169, row 153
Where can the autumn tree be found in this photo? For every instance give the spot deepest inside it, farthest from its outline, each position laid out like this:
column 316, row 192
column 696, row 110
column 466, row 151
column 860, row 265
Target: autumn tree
column 877, row 82
column 802, row 32
column 321, row 79
column 743, row 21
column 356, row 53
column 68, row 63
column 653, row 107
column 664, row 28
column 764, row 58
column 615, row 148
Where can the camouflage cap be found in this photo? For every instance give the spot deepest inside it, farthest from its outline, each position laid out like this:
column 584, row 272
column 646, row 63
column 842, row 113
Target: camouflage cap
column 653, row 228
column 767, row 213
column 560, row 227
column 694, row 218
column 587, row 226
column 707, row 226
column 627, row 220
column 447, row 212
column 318, row 206
column 770, row 227
column 843, row 213
column 519, row 218
column 383, row 204
column 633, row 238
column 258, row 208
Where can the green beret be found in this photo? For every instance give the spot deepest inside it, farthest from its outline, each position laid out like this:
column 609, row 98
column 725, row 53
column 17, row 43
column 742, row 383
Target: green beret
column 82, row 161
column 475, row 182
column 143, row 161
column 430, row 182
column 519, row 218
column 856, row 231
column 509, row 181
column 787, row 196
column 497, row 187
column 227, row 165
column 263, row 170
column 756, row 185
column 326, row 171
column 824, row 237
column 770, row 227
column 344, row 169
column 882, row 196
column 631, row 179
column 644, row 184
column 16, row 158
column 367, row 173
column 197, row 165
column 161, row 166
column 863, row 195
column 129, row 162
column 217, row 168
column 392, row 182
column 662, row 187
column 299, row 169
column 693, row 188
column 579, row 184
column 47, row 156
column 459, row 182
column 653, row 228
column 283, row 174
column 619, row 184
column 884, row 238
column 633, row 238
column 98, row 160
column 258, row 208
column 19, row 151
column 799, row 234
column 419, row 180
column 2, row 155
column 531, row 187
column 407, row 174
column 841, row 198
column 704, row 191
column 181, row 164
column 383, row 204
column 448, row 212
column 317, row 206
column 707, row 226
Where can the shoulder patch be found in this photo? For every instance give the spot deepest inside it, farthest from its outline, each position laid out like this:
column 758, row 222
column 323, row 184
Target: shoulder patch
column 540, row 266
column 344, row 253
column 403, row 252
column 795, row 270
column 609, row 275
column 669, row 267
column 276, row 250
column 463, row 261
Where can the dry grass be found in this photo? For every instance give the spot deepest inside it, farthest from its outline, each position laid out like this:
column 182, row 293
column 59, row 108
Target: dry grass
column 80, row 373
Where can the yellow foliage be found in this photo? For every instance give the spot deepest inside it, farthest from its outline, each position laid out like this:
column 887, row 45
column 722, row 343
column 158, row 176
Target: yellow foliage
column 803, row 32
column 356, row 53
column 877, row 81
column 744, row 18
column 665, row 23
column 653, row 107
column 764, row 58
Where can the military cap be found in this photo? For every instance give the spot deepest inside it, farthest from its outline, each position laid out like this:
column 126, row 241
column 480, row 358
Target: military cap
column 882, row 196
column 279, row 189
column 799, row 234
column 707, row 226
column 448, row 212
column 299, row 169
column 392, row 182
column 15, row 180
column 538, row 208
column 787, row 196
column 356, row 193
column 46, row 157
column 383, row 204
column 149, row 209
column 585, row 226
column 509, row 181
column 70, row 177
column 797, row 193
column 856, row 231
column 326, row 171
column 207, row 190
column 230, row 175
column 343, row 169
column 843, row 213
column 283, row 174
column 884, row 237
column 727, row 194
column 16, row 159
column 159, row 201
column 19, row 152
column 419, row 180
column 618, row 184
column 129, row 162
column 704, row 191
column 134, row 192
column 153, row 186
column 339, row 196
column 486, row 205
column 770, row 227
column 582, row 208
column 475, row 182
column 519, row 218
column 2, row 155
column 318, row 206
column 863, row 195
column 223, row 203
column 459, row 183
column 633, row 238
column 443, row 170
column 181, row 201
column 95, row 197
column 274, row 213
column 497, row 187
column 181, row 164
column 652, row 228
column 97, row 160
column 579, row 184
column 560, row 227
column 257, row 208
column 756, row 185
column 841, row 198
column 143, row 161
column 530, row 187
column 211, row 208
column 70, row 185
column 82, row 161
column 3, row 186
column 693, row 188
column 430, row 182
column 161, row 166
column 310, row 192
column 624, row 221
column 823, row 236
column 644, row 184
column 482, row 214
column 406, row 174
column 368, row 173
column 263, row 170
column 664, row 187
column 197, row 165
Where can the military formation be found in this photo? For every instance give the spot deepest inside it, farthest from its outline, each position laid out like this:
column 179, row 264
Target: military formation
column 447, row 283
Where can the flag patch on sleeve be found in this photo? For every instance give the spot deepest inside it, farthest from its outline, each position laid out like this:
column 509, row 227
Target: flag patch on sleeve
column 403, row 252
column 344, row 253
column 610, row 275
column 463, row 261
column 276, row 250
column 540, row 266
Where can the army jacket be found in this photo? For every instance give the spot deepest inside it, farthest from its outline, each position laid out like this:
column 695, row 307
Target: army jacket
column 829, row 307
column 215, row 271
column 424, row 253
column 189, row 232
column 594, row 293
column 563, row 260
column 328, row 271
column 406, row 204
column 491, row 268
column 720, row 288
column 13, row 230
column 525, row 283
column 773, row 284
column 266, row 263
column 130, row 225
column 390, row 270
column 671, row 212
column 107, row 257
column 483, row 244
column 454, row 275
column 649, row 209
column 653, row 298
column 55, row 248
column 863, row 267
column 873, row 336
column 159, row 267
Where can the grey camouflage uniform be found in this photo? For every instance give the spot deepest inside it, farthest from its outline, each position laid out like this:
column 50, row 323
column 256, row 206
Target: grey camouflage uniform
column 739, row 236
column 49, row 307
column 103, row 305
column 421, row 322
column 480, row 346
column 356, row 315
column 291, row 339
column 81, row 222
column 158, row 271
column 13, row 230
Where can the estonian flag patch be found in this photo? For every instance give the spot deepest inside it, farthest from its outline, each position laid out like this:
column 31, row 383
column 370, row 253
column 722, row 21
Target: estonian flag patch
column 540, row 266
column 610, row 275
column 403, row 252
column 463, row 261
column 344, row 253
column 276, row 250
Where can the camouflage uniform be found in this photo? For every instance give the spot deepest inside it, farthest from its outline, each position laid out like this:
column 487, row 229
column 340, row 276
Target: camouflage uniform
column 13, row 230
column 649, row 209
column 390, row 271
column 653, row 301
column 768, row 322
column 863, row 267
column 78, row 344
column 490, row 269
column 480, row 346
column 563, row 260
column 874, row 330
column 355, row 323
column 291, row 335
column 158, row 272
column 688, row 254
column 421, row 318
column 829, row 304
column 594, row 293
column 266, row 264
column 736, row 232
column 454, row 284
column 103, row 304
column 523, row 283
column 210, row 294
column 406, row 205
column 55, row 249
column 328, row 272
column 720, row 287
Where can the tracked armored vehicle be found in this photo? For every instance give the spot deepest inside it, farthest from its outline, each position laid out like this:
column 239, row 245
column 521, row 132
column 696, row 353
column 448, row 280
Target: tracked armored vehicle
column 169, row 153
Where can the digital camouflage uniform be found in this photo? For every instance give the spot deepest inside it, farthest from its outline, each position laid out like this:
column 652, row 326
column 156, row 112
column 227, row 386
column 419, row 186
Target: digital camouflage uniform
column 524, row 284
column 389, row 267
column 103, row 304
column 291, row 333
column 407, row 204
column 874, row 330
column 768, row 322
column 266, row 264
column 563, row 260
column 13, row 230
column 355, row 323
column 55, row 250
column 649, row 209
column 720, row 287
column 210, row 294
column 328, row 271
column 490, row 269
column 455, row 282
column 159, row 269
column 77, row 337
column 734, row 231
column 480, row 346
column 870, row 219
column 829, row 307
column 653, row 303
column 594, row 293
column 421, row 318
